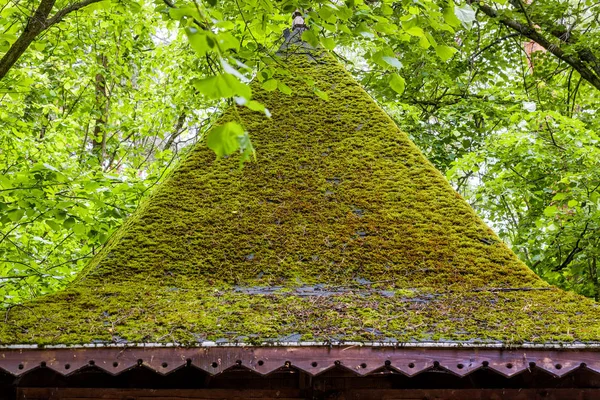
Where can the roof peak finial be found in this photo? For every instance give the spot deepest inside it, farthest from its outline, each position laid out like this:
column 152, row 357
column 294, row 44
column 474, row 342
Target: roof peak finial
column 298, row 20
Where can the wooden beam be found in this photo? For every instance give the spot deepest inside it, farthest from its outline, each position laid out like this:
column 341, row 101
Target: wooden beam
column 311, row 360
column 293, row 394
column 153, row 394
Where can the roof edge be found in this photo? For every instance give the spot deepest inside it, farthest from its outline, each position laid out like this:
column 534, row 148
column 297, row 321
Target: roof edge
column 429, row 344
column 312, row 358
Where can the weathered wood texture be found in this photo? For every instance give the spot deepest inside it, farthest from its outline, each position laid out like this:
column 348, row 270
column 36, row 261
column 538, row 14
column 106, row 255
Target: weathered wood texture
column 351, row 373
column 370, row 394
column 311, row 360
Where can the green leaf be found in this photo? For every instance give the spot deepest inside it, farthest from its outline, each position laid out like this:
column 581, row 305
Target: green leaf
column 450, row 17
column 386, row 9
column 209, row 87
column 393, row 61
column 465, row 14
column 283, row 88
column 246, row 148
column 222, row 86
column 178, row 13
column 343, row 13
column 430, row 39
column 363, row 30
column 55, row 226
column 415, row 31
column 445, row 52
column 270, row 85
column 69, row 222
column 322, row 94
column 397, row 83
column 98, row 6
column 572, row 203
column 238, row 88
column 198, row 40
column 79, row 229
column 343, row 28
column 227, row 25
column 227, row 41
column 309, row 37
column 256, row 106
column 134, row 6
column 224, row 139
column 550, row 211
column 16, row 214
column 328, row 43
column 325, row 12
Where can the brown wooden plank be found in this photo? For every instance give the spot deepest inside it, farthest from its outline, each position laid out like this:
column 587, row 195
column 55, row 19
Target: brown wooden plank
column 312, row 360
column 471, row 394
column 152, row 394
column 362, row 394
column 229, row 396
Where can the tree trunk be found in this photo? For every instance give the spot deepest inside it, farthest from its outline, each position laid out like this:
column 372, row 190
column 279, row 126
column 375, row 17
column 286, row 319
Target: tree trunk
column 178, row 130
column 38, row 23
column 34, row 27
column 99, row 134
column 596, row 280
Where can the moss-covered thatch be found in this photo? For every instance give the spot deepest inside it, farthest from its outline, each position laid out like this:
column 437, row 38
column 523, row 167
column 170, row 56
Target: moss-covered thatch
column 340, row 231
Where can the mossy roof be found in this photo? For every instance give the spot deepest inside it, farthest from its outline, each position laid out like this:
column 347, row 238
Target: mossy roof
column 340, row 231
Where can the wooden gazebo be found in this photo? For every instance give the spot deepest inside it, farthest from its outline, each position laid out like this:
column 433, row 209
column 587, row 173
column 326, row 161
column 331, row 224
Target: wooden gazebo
column 340, row 265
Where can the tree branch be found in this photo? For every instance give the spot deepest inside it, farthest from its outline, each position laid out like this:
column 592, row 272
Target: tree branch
column 573, row 252
column 178, row 130
column 56, row 18
column 37, row 24
column 495, row 42
column 577, row 63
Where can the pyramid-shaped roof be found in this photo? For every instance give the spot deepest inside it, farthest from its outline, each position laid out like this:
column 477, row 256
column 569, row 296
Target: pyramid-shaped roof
column 341, row 231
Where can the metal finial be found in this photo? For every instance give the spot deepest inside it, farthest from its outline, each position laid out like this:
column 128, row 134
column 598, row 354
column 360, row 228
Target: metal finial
column 298, row 20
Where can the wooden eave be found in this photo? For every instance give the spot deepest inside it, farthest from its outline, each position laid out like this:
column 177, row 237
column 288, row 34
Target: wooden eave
column 311, row 360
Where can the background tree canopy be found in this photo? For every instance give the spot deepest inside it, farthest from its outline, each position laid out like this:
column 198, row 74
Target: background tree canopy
column 99, row 98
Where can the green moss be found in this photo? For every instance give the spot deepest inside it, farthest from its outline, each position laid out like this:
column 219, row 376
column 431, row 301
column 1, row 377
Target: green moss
column 339, row 198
